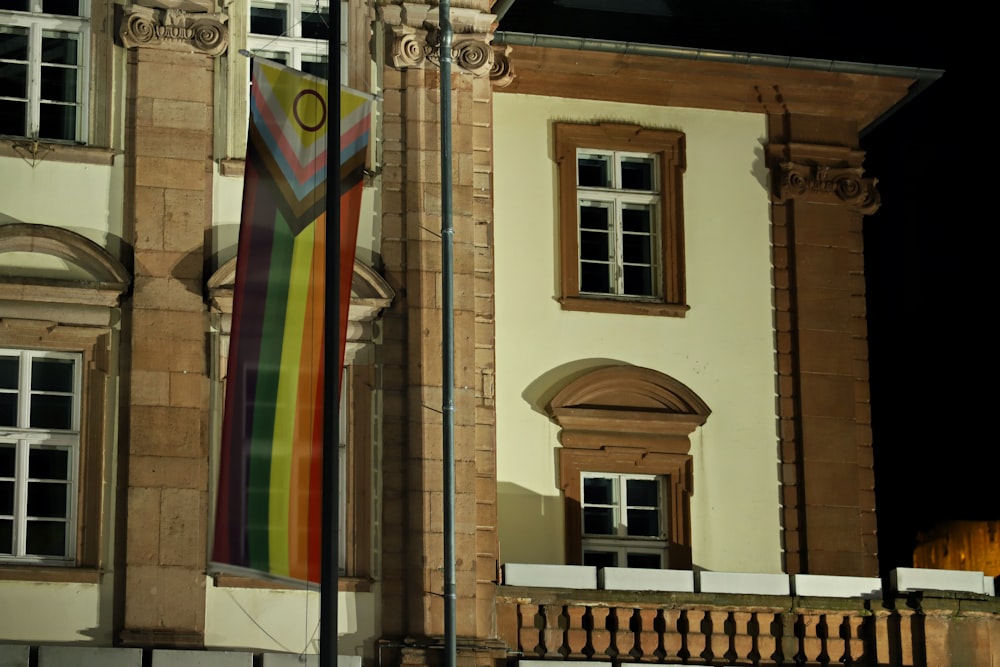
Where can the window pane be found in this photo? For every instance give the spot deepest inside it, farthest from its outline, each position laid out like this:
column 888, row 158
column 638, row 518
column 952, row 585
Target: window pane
column 643, row 523
column 13, row 78
column 46, row 538
column 598, row 520
column 8, row 409
column 59, row 48
column 636, row 250
column 642, row 493
column 644, row 560
column 595, row 215
column 595, row 245
column 59, row 84
column 316, row 68
column 316, row 26
column 598, row 491
column 48, row 374
column 51, row 411
column 9, row 368
column 7, row 460
column 13, row 117
column 47, row 499
column 13, row 45
column 57, row 121
column 637, row 218
column 64, row 7
column 600, row 558
column 593, row 171
column 637, row 173
column 268, row 20
column 7, row 498
column 46, row 463
column 595, row 278
column 6, row 536
column 638, row 281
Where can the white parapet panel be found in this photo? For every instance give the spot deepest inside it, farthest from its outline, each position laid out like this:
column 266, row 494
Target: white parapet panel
column 307, row 660
column 88, row 656
column 642, row 579
column 755, row 583
column 184, row 658
column 830, row 586
column 989, row 585
column 14, row 655
column 904, row 579
column 549, row 576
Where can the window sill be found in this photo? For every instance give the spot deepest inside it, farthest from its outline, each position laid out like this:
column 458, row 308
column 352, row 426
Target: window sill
column 55, row 574
column 28, row 149
column 622, row 307
column 344, row 584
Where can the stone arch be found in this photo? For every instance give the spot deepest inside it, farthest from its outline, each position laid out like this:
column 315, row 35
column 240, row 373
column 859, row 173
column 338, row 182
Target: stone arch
column 68, row 246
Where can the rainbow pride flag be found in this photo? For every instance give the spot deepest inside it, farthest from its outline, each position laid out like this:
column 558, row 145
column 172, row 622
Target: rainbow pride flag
column 269, row 499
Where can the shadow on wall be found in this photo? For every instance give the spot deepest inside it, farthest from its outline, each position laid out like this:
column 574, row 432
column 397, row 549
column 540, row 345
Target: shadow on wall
column 531, row 526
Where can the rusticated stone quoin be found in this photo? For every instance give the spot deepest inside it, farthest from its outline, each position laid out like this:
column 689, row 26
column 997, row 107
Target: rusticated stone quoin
column 149, row 26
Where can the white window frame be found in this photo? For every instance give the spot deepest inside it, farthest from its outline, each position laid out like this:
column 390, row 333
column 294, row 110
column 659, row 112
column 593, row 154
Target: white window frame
column 621, row 543
column 292, row 45
column 617, row 199
column 24, row 439
column 36, row 22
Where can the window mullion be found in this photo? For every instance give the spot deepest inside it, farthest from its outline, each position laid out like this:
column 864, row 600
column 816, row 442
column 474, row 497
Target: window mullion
column 618, row 242
column 20, row 522
column 34, row 79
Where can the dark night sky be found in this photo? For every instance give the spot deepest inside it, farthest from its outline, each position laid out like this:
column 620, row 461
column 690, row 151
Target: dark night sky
column 927, row 337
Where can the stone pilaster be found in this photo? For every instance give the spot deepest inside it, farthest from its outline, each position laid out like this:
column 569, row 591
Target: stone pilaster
column 168, row 204
column 412, row 557
column 820, row 196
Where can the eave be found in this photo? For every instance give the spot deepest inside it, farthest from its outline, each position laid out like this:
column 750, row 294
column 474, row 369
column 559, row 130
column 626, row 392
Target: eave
column 680, row 77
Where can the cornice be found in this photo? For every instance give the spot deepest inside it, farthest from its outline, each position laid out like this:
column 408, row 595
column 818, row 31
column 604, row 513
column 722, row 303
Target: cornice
column 155, row 23
column 660, row 79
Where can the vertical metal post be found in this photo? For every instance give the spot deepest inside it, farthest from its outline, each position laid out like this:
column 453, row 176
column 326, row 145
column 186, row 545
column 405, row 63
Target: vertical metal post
column 447, row 338
column 329, row 574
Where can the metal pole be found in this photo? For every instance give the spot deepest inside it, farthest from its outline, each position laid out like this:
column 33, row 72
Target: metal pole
column 329, row 574
column 447, row 339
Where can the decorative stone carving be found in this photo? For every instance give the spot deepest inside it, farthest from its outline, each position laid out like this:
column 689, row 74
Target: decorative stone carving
column 183, row 5
column 148, row 26
column 502, row 73
column 415, row 36
column 844, row 184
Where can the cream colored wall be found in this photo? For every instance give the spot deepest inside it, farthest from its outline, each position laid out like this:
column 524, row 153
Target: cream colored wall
column 285, row 620
column 722, row 349
column 55, row 612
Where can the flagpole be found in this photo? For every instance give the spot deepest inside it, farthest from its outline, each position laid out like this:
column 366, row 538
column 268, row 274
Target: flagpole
column 330, row 545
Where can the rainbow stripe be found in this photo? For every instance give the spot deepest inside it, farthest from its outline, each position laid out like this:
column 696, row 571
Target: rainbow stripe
column 269, row 500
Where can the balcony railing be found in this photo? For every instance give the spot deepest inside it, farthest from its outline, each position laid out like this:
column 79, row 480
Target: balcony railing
column 917, row 630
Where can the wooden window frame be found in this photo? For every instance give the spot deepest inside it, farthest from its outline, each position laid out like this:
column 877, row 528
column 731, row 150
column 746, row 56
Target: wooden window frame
column 668, row 147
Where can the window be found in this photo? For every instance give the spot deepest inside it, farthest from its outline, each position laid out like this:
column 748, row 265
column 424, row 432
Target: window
column 624, row 467
column 43, row 69
column 621, row 231
column 295, row 33
column 623, row 520
column 39, row 449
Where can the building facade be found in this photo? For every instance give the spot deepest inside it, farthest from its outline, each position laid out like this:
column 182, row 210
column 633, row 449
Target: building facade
column 660, row 357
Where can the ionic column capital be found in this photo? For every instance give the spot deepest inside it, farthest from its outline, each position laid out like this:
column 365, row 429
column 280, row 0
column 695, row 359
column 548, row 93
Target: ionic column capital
column 820, row 173
column 174, row 24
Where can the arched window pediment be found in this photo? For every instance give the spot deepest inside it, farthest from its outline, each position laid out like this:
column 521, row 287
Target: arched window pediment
column 628, row 399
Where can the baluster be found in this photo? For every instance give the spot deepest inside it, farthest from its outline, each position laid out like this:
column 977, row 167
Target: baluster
column 600, row 638
column 576, row 632
column 906, row 636
column 649, row 638
column 742, row 638
column 697, row 642
column 672, row 639
column 853, row 626
column 812, row 642
column 530, row 622
column 553, row 635
column 624, row 635
column 717, row 637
